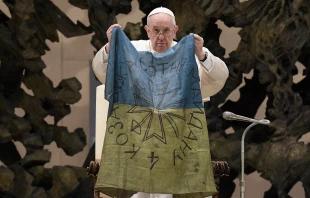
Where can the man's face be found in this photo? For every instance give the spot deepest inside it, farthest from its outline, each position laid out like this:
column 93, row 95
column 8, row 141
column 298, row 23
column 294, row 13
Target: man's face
column 161, row 31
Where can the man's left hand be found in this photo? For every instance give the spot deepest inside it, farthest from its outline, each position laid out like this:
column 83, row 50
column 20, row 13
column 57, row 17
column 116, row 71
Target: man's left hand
column 200, row 53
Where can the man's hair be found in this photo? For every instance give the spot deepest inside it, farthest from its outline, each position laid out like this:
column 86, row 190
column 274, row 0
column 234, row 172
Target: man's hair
column 161, row 10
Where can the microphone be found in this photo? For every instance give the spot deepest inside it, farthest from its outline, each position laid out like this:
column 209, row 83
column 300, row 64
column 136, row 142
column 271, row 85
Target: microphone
column 231, row 116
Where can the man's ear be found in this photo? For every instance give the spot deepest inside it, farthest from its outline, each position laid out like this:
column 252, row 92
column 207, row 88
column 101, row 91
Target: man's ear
column 146, row 28
column 176, row 28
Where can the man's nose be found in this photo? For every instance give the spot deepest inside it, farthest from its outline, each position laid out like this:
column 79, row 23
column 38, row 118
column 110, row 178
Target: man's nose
column 161, row 36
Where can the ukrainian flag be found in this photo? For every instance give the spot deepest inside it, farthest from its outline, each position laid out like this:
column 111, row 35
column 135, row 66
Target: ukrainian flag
column 156, row 137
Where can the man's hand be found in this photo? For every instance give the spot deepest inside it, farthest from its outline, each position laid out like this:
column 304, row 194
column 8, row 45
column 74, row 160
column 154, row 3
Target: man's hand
column 109, row 35
column 200, row 53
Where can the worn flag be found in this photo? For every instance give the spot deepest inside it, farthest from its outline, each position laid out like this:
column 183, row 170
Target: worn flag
column 156, row 137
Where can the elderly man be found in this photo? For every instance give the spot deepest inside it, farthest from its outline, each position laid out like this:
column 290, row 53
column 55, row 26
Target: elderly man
column 161, row 29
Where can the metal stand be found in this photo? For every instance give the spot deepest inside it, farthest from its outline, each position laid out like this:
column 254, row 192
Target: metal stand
column 242, row 182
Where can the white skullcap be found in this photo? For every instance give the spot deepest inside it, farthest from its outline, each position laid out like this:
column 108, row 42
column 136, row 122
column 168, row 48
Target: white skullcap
column 161, row 10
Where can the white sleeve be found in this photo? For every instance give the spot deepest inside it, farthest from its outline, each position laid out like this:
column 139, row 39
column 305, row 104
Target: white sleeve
column 213, row 74
column 100, row 63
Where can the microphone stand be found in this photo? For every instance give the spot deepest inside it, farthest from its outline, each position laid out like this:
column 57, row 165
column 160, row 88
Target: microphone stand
column 231, row 116
column 242, row 182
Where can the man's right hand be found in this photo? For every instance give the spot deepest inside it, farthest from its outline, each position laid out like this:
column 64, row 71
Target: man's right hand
column 109, row 35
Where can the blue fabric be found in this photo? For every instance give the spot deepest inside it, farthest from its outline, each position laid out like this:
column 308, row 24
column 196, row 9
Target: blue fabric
column 161, row 81
column 156, row 134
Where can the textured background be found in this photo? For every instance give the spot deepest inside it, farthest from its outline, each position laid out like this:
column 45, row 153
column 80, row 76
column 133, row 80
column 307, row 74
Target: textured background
column 273, row 53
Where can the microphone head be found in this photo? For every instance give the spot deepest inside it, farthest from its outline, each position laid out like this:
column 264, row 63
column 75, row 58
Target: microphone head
column 227, row 115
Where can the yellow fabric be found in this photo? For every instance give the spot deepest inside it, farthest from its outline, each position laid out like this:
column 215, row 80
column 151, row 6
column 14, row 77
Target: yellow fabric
column 156, row 152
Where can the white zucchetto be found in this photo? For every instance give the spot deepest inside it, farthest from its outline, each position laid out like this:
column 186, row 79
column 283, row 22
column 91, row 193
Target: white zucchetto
column 161, row 10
